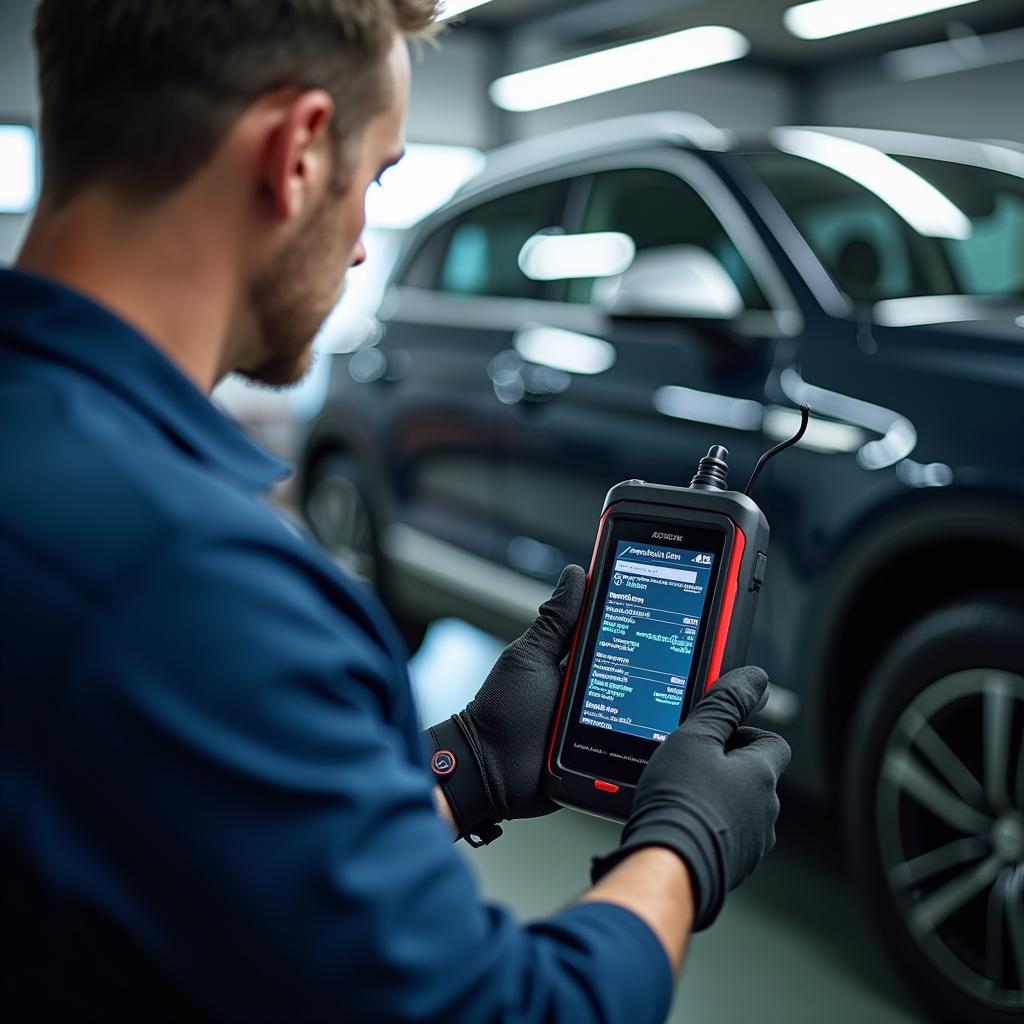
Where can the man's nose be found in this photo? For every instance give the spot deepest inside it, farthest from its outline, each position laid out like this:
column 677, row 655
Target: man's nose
column 359, row 254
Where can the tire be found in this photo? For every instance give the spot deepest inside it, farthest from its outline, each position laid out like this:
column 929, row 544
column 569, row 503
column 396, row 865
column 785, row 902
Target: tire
column 340, row 514
column 934, row 803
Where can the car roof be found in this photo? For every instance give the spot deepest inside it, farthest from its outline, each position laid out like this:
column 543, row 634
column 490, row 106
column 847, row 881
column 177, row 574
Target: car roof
column 589, row 140
column 691, row 131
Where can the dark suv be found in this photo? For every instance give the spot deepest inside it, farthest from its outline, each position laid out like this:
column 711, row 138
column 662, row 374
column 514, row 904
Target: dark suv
column 470, row 436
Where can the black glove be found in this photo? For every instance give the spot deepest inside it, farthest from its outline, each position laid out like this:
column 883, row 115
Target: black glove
column 708, row 793
column 499, row 743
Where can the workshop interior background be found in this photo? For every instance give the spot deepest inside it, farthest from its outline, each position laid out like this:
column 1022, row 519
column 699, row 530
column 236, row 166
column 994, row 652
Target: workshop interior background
column 810, row 949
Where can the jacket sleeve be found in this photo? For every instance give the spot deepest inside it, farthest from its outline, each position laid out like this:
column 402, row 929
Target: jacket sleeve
column 250, row 818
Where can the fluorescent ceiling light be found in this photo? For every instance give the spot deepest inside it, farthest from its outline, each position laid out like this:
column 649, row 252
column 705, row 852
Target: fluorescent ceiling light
column 19, row 177
column 560, row 257
column 424, row 179
column 822, row 18
column 917, row 201
column 618, row 67
column 564, row 350
column 453, row 8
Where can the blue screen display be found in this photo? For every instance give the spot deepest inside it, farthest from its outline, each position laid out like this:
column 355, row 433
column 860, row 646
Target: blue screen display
column 645, row 645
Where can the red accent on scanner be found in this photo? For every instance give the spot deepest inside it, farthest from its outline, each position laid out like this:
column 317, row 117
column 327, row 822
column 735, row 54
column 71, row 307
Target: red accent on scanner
column 605, row 787
column 728, row 603
column 576, row 636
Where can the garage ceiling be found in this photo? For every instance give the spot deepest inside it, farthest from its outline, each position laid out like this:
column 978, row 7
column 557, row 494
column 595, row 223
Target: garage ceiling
column 580, row 25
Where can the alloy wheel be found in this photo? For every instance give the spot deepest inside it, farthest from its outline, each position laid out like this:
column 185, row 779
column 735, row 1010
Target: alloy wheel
column 340, row 520
column 950, row 825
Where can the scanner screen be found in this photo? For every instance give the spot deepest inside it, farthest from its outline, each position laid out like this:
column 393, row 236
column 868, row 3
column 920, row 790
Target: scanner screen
column 645, row 645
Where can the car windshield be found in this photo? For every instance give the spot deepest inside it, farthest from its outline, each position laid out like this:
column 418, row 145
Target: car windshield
column 887, row 226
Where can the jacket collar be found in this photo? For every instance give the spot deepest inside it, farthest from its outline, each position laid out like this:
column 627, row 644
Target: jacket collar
column 56, row 323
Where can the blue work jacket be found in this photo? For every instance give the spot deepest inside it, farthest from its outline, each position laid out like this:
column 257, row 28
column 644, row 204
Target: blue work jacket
column 214, row 802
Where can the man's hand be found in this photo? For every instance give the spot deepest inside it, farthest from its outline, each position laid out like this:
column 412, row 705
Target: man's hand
column 508, row 723
column 708, row 794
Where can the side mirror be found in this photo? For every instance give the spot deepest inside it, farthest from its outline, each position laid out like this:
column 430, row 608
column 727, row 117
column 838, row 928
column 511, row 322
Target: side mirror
column 678, row 281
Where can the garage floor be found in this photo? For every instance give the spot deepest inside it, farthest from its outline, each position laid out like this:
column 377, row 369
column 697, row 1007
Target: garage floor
column 791, row 945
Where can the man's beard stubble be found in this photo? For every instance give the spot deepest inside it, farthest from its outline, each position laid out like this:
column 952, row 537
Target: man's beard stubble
column 290, row 302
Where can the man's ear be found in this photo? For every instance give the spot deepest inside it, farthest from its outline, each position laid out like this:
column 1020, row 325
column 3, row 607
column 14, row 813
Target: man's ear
column 298, row 159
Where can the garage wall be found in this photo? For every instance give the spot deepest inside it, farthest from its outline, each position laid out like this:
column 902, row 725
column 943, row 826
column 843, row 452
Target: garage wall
column 449, row 99
column 982, row 103
column 18, row 101
column 449, row 91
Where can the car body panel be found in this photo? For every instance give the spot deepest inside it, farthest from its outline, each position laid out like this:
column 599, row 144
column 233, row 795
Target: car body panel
column 491, row 468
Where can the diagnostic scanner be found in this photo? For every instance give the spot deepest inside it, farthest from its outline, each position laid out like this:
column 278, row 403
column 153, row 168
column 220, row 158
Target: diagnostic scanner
column 669, row 606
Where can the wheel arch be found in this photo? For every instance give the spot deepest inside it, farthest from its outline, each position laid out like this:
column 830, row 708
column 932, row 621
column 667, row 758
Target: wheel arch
column 893, row 566
column 319, row 448
column 335, row 436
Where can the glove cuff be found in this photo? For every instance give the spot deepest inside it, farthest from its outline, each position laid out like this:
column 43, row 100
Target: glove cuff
column 703, row 860
column 456, row 767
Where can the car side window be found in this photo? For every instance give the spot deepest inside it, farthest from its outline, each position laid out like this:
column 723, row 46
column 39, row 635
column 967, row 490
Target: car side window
column 656, row 208
column 482, row 252
column 864, row 243
column 990, row 260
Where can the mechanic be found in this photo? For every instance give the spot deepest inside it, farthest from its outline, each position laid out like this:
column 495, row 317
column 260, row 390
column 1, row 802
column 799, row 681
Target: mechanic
column 217, row 802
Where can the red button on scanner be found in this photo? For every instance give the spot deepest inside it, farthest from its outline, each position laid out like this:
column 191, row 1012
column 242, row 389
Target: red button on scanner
column 605, row 787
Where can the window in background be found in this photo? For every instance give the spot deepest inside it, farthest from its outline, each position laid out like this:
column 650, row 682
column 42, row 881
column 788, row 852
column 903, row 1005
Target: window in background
column 874, row 254
column 19, row 169
column 864, row 242
column 991, row 260
column 658, row 209
column 424, row 179
column 482, row 256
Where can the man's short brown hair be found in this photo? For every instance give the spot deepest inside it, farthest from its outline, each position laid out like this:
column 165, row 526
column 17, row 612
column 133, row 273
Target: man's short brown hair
column 138, row 94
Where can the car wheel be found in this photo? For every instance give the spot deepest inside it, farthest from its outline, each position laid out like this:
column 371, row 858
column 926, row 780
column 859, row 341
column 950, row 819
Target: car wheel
column 935, row 808
column 340, row 516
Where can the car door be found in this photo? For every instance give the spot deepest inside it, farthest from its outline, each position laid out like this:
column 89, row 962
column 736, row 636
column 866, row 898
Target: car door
column 656, row 392
column 445, row 319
